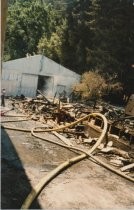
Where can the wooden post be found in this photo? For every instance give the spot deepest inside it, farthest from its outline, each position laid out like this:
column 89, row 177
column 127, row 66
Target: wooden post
column 4, row 7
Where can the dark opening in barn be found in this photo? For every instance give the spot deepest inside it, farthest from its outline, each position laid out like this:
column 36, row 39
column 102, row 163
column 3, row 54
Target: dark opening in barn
column 45, row 84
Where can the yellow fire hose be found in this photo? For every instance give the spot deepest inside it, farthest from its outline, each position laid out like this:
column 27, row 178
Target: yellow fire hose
column 85, row 152
column 69, row 147
column 34, row 193
column 14, row 128
column 6, row 121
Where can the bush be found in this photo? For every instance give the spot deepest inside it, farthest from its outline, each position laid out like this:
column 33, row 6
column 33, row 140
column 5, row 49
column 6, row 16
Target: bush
column 92, row 86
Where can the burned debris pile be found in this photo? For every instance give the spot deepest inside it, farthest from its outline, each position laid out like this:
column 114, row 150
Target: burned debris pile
column 117, row 147
column 43, row 109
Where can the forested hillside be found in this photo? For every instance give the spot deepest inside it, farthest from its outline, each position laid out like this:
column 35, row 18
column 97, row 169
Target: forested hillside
column 82, row 35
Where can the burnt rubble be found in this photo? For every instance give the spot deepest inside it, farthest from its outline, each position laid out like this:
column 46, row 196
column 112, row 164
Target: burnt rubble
column 43, row 109
column 117, row 147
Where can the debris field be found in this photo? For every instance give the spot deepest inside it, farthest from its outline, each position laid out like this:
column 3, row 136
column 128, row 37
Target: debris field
column 44, row 134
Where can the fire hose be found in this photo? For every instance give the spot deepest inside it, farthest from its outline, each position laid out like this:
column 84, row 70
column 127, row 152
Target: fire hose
column 34, row 193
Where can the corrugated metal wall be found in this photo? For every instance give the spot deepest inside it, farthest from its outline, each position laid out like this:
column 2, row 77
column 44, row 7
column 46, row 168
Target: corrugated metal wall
column 29, row 85
column 30, row 65
column 20, row 76
column 11, row 82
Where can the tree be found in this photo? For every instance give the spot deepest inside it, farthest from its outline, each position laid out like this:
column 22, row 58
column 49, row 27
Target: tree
column 113, row 36
column 26, row 22
column 92, row 85
column 51, row 46
column 79, row 34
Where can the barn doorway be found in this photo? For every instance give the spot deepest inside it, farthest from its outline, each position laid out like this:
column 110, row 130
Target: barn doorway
column 45, row 85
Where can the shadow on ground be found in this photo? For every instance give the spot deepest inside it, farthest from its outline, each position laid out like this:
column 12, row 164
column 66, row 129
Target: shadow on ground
column 15, row 185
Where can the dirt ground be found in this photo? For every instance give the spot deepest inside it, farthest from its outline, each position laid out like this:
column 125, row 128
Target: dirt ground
column 86, row 185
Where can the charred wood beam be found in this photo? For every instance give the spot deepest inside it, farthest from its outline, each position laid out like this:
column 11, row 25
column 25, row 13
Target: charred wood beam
column 44, row 96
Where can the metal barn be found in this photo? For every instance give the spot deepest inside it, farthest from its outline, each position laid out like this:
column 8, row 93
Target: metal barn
column 26, row 75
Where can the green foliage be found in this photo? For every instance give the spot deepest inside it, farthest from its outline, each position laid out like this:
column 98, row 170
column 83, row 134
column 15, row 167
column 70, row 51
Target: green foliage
column 113, row 43
column 51, row 46
column 92, row 85
column 79, row 34
column 26, row 22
